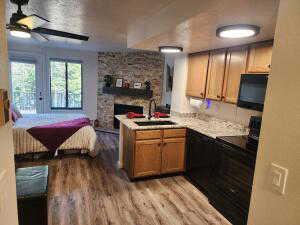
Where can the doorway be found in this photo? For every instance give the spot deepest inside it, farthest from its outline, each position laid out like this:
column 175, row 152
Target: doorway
column 26, row 85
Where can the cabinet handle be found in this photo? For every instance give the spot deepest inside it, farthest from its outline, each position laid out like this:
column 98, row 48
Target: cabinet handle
column 159, row 144
column 218, row 96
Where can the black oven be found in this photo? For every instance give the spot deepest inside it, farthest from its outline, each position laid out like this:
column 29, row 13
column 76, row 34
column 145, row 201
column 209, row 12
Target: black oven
column 233, row 178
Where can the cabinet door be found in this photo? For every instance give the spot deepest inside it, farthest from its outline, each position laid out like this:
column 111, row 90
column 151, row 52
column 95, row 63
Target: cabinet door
column 197, row 74
column 236, row 61
column 147, row 158
column 259, row 60
column 216, row 72
column 173, row 155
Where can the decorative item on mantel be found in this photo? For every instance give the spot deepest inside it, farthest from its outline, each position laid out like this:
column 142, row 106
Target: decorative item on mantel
column 137, row 85
column 148, row 85
column 126, row 85
column 108, row 79
column 119, row 82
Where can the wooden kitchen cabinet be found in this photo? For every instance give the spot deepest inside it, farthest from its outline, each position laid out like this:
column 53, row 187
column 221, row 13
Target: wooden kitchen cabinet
column 173, row 155
column 236, row 62
column 163, row 153
column 215, row 77
column 259, row 58
column 147, row 158
column 197, row 74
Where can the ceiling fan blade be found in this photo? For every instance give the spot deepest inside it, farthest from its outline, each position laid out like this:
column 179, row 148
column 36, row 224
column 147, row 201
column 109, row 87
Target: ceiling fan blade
column 33, row 21
column 47, row 31
column 39, row 37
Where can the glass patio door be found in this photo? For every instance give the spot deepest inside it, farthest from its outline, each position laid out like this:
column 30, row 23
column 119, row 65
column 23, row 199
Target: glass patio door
column 26, row 94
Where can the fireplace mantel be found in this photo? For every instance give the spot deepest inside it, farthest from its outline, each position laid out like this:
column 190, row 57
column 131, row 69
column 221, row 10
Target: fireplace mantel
column 143, row 93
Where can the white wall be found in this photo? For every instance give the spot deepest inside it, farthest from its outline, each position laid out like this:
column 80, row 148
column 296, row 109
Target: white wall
column 180, row 103
column 280, row 132
column 8, row 202
column 221, row 110
column 90, row 70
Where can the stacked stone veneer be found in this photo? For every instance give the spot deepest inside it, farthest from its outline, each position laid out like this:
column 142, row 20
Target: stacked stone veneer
column 137, row 66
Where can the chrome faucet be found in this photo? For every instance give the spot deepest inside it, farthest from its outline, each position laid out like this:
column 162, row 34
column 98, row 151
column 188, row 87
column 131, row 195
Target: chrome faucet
column 150, row 106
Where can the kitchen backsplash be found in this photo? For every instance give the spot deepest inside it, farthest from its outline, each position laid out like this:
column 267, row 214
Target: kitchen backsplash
column 223, row 111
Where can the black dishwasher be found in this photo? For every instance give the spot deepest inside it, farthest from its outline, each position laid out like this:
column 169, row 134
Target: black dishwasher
column 222, row 169
column 200, row 160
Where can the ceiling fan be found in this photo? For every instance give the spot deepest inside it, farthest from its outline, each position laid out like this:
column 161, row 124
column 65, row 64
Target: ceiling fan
column 24, row 26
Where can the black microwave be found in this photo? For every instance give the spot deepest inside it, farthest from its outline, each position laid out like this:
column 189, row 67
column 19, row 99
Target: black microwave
column 252, row 91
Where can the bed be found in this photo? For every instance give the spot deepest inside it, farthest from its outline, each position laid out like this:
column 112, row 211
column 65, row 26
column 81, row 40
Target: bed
column 84, row 139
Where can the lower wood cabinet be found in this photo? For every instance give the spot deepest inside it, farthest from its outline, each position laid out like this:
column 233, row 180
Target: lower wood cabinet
column 147, row 158
column 163, row 154
column 173, row 155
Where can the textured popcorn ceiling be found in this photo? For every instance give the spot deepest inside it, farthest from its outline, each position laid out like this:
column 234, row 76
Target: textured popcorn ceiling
column 193, row 23
column 145, row 24
column 105, row 21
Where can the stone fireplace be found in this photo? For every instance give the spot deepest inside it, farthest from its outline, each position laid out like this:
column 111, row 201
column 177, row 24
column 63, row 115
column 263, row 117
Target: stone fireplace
column 121, row 109
column 131, row 66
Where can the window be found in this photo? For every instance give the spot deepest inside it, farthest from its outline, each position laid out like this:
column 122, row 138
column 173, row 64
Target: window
column 23, row 81
column 65, row 84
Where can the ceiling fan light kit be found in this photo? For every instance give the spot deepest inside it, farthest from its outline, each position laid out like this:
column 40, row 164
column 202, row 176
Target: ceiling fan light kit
column 20, row 34
column 238, row 31
column 170, row 49
column 30, row 26
column 20, row 31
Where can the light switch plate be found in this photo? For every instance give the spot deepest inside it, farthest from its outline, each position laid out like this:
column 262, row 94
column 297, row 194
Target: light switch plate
column 278, row 178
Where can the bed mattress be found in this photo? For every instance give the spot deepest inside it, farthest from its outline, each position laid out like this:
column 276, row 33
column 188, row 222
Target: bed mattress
column 84, row 139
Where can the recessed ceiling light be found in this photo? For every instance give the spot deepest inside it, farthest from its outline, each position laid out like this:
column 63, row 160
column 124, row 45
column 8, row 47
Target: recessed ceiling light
column 170, row 49
column 20, row 34
column 238, row 31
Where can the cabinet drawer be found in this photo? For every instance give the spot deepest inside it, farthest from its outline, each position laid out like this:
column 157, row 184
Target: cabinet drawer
column 170, row 133
column 148, row 134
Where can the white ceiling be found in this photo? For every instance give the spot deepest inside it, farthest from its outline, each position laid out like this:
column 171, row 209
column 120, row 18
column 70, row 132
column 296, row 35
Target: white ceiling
column 146, row 24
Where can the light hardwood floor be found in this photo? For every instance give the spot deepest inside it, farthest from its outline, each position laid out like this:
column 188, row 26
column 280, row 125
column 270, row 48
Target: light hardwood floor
column 86, row 191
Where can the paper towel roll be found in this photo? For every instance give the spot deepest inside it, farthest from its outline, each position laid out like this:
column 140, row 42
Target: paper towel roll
column 195, row 103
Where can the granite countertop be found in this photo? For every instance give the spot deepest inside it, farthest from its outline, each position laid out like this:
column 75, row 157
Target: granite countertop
column 212, row 127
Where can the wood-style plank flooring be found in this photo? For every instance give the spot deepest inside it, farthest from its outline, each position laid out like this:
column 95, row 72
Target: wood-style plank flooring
column 86, row 191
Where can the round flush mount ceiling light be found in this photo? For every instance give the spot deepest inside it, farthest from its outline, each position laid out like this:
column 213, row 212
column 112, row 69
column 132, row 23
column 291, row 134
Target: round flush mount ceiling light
column 238, row 31
column 170, row 49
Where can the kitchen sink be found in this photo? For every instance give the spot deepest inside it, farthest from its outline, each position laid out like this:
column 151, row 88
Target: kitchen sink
column 154, row 123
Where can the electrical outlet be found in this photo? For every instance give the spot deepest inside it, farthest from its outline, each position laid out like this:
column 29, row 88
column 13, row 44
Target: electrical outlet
column 278, row 177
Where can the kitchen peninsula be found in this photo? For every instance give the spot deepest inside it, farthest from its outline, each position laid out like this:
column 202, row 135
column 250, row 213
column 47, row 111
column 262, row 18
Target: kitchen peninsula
column 149, row 150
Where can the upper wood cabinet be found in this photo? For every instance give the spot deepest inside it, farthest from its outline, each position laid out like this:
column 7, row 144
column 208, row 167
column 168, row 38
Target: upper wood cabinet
column 197, row 73
column 236, row 62
column 215, row 76
column 259, row 59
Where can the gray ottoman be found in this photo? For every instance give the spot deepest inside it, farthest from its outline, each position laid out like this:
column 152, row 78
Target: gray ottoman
column 32, row 194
